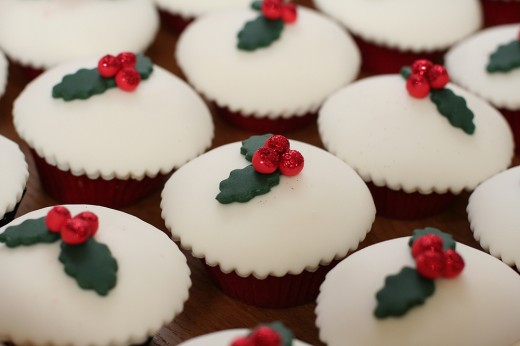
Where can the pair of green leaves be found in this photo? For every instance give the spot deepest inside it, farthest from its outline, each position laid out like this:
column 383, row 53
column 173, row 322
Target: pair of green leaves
column 91, row 264
column 259, row 32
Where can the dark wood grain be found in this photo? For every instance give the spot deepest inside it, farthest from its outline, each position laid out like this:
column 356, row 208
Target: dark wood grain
column 208, row 309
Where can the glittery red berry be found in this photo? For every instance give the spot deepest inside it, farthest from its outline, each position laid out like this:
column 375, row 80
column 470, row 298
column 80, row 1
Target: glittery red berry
column 427, row 242
column 291, row 163
column 75, row 231
column 56, row 218
column 91, row 219
column 108, row 66
column 417, row 86
column 265, row 160
column 421, row 67
column 438, row 77
column 453, row 264
column 128, row 79
column 289, row 14
column 242, row 342
column 430, row 264
column 127, row 59
column 279, row 143
column 265, row 336
column 272, row 9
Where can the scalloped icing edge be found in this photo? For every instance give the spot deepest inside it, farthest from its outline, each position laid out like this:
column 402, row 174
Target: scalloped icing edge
column 176, row 9
column 10, row 206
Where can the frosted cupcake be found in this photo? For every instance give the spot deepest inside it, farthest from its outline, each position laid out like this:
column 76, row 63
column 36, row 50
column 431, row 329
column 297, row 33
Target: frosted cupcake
column 92, row 283
column 498, row 12
column 14, row 173
column 110, row 140
column 267, row 239
column 267, row 75
column 417, row 146
column 3, row 73
column 488, row 64
column 392, row 34
column 380, row 296
column 71, row 30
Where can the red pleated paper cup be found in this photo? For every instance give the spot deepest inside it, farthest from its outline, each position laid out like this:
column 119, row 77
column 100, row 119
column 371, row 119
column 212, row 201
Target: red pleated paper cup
column 174, row 22
column 497, row 12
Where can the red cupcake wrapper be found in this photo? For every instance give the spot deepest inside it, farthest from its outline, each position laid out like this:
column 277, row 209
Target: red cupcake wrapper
column 67, row 188
column 513, row 119
column 401, row 205
column 377, row 59
column 271, row 292
column 500, row 12
column 265, row 124
column 174, row 22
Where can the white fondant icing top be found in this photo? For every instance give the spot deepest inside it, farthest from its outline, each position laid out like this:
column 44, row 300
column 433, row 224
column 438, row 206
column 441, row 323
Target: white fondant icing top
column 14, row 173
column 194, row 8
column 152, row 286
column 481, row 307
column 3, row 73
column 393, row 139
column 292, row 76
column 493, row 215
column 225, row 338
column 156, row 128
column 46, row 33
column 466, row 63
column 414, row 25
column 306, row 220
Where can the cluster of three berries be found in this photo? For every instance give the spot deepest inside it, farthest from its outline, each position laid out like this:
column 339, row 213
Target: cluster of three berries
column 73, row 230
column 276, row 154
column 278, row 9
column 261, row 336
column 432, row 261
column 122, row 67
column 425, row 76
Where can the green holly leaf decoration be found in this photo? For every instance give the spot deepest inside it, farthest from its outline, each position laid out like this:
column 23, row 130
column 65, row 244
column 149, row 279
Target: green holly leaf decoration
column 91, row 264
column 245, row 184
column 86, row 83
column 286, row 335
column 257, row 5
column 27, row 233
column 454, row 108
column 505, row 58
column 405, row 72
column 447, row 239
column 402, row 292
column 259, row 33
column 252, row 144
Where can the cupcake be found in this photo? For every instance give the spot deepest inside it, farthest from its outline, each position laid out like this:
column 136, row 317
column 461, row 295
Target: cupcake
column 177, row 14
column 381, row 296
column 493, row 217
column 96, row 143
column 417, row 147
column 273, row 334
column 14, row 173
column 267, row 239
column 71, row 30
column 267, row 75
column 117, row 287
column 488, row 64
column 392, row 34
column 3, row 73
column 498, row 12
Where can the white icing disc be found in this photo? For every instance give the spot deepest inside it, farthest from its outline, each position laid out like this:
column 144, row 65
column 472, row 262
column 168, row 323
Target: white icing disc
column 3, row 73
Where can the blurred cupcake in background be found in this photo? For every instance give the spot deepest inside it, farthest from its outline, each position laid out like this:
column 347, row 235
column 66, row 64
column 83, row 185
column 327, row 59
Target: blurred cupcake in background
column 498, row 12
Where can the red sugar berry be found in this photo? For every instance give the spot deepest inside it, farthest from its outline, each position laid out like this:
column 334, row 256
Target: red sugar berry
column 417, row 86
column 127, row 59
column 289, row 14
column 56, row 218
column 265, row 336
column 272, row 9
column 438, row 77
column 430, row 264
column 128, row 79
column 108, row 66
column 242, row 342
column 453, row 264
column 427, row 242
column 75, row 231
column 278, row 143
column 291, row 163
column 91, row 219
column 421, row 67
column 265, row 160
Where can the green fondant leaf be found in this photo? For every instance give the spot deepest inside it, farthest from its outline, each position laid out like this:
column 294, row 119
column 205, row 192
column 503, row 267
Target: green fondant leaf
column 505, row 58
column 252, row 144
column 454, row 108
column 91, row 264
column 244, row 184
column 257, row 5
column 402, row 292
column 406, row 72
column 29, row 232
column 144, row 66
column 259, row 33
column 286, row 335
column 447, row 239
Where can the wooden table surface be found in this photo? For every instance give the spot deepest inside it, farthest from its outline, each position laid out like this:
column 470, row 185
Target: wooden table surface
column 207, row 308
